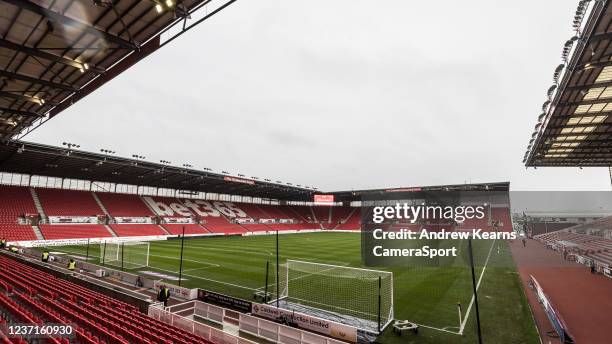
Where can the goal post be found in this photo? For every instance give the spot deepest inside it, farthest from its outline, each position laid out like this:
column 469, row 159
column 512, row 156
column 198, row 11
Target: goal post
column 127, row 254
column 359, row 297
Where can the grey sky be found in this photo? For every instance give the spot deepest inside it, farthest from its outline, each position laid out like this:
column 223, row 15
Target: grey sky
column 343, row 94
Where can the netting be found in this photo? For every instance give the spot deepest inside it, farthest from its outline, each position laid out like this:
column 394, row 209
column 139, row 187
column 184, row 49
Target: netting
column 340, row 292
column 127, row 255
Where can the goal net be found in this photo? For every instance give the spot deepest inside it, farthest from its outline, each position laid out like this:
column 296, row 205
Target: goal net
column 127, row 255
column 359, row 297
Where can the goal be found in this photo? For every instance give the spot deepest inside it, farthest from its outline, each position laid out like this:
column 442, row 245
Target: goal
column 359, row 297
column 127, row 255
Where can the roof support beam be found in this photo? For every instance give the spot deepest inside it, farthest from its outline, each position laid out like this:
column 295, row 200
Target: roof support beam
column 26, row 78
column 588, row 86
column 584, row 125
column 21, row 113
column 44, row 55
column 67, row 21
column 587, row 102
column 23, row 97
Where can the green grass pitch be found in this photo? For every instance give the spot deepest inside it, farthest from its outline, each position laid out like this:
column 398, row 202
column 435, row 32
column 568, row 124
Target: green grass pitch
column 426, row 295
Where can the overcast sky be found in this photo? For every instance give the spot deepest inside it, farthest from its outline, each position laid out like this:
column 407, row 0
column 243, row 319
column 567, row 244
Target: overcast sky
column 343, row 94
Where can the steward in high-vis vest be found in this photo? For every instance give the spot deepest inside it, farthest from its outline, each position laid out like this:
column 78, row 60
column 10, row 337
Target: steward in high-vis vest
column 163, row 295
column 71, row 265
column 45, row 256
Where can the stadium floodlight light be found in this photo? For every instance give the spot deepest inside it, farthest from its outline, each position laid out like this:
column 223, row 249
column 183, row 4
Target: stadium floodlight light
column 551, row 91
column 107, row 151
column 240, row 175
column 138, row 156
column 278, row 181
column 224, row 172
column 71, row 145
column 159, row 8
column 165, row 162
column 268, row 180
column 169, row 3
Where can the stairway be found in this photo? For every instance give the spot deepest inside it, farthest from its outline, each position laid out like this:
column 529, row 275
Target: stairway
column 315, row 218
column 111, row 231
column 164, row 229
column 101, row 205
column 38, row 205
column 39, row 235
column 345, row 220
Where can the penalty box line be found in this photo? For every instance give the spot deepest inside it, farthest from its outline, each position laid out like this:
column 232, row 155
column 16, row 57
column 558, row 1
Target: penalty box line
column 205, row 279
column 467, row 312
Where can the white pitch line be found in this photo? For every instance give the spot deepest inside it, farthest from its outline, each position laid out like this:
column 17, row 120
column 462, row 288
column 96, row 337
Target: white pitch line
column 299, row 277
column 467, row 313
column 203, row 278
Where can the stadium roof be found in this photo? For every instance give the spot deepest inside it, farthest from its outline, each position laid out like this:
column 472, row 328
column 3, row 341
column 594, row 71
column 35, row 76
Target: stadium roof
column 37, row 159
column 53, row 53
column 394, row 193
column 575, row 126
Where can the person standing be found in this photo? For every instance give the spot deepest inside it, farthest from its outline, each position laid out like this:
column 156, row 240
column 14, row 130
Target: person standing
column 45, row 256
column 71, row 265
column 163, row 295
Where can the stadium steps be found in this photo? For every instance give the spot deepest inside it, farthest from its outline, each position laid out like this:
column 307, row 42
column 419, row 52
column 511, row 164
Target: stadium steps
column 149, row 206
column 346, row 219
column 101, row 205
column 111, row 231
column 38, row 233
column 164, row 229
column 298, row 216
column 204, row 228
column 37, row 204
column 262, row 211
column 314, row 216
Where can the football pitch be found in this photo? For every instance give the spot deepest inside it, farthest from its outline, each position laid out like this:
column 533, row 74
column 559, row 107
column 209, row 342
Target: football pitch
column 429, row 296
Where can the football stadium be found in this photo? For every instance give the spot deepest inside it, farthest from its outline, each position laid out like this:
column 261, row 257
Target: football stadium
column 98, row 246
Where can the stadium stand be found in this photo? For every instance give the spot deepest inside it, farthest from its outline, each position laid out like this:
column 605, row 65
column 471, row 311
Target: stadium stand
column 136, row 229
column 123, row 205
column 59, row 202
column 30, row 295
column 15, row 202
column 74, row 231
column 321, row 215
column 536, row 228
column 72, row 203
column 221, row 225
column 277, row 212
column 253, row 211
column 303, row 212
column 591, row 240
column 353, row 222
column 338, row 215
column 190, row 228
